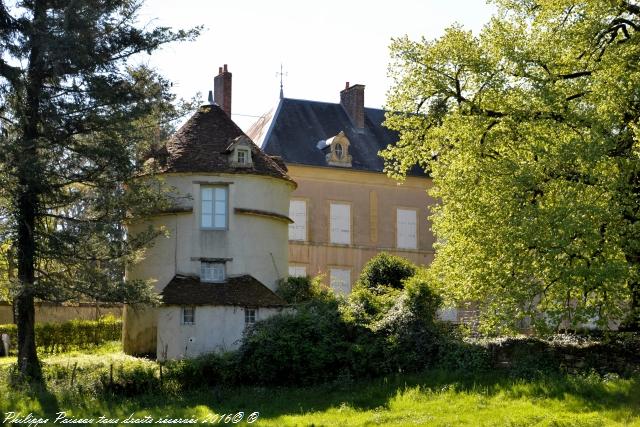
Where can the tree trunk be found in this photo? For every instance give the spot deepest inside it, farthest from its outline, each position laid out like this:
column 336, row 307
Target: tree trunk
column 27, row 200
column 632, row 321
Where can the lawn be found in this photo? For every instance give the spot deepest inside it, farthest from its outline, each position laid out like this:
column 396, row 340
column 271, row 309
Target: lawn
column 433, row 398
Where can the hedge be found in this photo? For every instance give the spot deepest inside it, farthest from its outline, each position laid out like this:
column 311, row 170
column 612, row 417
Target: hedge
column 70, row 335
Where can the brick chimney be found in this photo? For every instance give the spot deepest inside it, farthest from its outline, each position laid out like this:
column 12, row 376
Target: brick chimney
column 352, row 100
column 222, row 89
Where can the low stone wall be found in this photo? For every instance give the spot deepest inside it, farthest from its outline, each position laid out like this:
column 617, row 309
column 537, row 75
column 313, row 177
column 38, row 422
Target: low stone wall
column 617, row 352
column 56, row 313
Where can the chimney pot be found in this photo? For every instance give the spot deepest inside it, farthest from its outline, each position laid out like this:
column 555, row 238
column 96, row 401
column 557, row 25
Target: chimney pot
column 352, row 101
column 222, row 89
column 346, row 85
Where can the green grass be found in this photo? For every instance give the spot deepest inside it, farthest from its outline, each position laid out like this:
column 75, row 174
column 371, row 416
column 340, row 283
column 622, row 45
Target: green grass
column 432, row 398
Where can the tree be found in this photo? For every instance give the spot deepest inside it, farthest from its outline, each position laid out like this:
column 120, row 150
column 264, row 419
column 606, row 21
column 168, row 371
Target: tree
column 77, row 118
column 530, row 131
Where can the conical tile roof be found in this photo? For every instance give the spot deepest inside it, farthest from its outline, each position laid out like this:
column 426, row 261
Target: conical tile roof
column 201, row 146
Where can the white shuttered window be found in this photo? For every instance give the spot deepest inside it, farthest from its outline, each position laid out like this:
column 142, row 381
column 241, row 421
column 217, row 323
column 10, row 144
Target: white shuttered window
column 407, row 231
column 298, row 213
column 212, row 271
column 214, row 207
column 297, row 271
column 340, row 223
column 340, row 280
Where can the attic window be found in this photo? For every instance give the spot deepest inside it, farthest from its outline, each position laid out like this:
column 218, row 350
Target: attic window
column 243, row 156
column 337, row 150
column 239, row 152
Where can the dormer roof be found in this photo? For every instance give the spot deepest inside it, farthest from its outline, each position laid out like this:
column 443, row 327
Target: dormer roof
column 201, row 146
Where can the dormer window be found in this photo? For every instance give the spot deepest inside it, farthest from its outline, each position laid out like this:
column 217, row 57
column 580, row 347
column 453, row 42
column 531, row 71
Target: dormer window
column 239, row 152
column 213, row 272
column 337, row 150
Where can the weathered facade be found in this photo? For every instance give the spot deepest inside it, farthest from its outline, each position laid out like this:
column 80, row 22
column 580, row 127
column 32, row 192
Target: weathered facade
column 345, row 208
column 226, row 243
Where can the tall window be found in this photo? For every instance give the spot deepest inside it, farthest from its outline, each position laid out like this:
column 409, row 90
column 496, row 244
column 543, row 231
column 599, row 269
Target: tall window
column 188, row 315
column 340, row 280
column 340, row 223
column 214, row 207
column 407, row 231
column 249, row 316
column 298, row 213
column 212, row 271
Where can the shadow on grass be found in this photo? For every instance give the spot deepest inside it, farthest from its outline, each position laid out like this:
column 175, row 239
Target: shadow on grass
column 38, row 396
column 582, row 393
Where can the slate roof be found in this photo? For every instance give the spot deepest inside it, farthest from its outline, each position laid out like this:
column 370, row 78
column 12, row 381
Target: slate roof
column 293, row 130
column 236, row 291
column 200, row 145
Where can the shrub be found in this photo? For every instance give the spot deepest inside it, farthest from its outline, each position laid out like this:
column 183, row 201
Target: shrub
column 408, row 330
column 211, row 369
column 385, row 270
column 70, row 335
column 297, row 290
column 301, row 347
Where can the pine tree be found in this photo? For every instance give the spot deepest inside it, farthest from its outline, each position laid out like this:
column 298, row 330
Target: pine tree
column 77, row 118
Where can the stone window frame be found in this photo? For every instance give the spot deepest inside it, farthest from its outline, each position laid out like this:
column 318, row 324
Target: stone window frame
column 213, row 187
column 203, row 278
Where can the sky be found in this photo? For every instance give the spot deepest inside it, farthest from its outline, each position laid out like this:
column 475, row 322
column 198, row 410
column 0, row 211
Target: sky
column 320, row 45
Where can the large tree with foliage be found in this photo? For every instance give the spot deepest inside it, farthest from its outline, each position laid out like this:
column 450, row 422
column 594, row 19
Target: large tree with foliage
column 76, row 117
column 530, row 130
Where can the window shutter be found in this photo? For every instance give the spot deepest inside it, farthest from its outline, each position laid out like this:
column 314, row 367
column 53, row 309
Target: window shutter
column 407, row 229
column 340, row 280
column 340, row 223
column 298, row 213
column 297, row 271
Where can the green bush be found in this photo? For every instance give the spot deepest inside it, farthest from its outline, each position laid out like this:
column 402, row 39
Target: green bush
column 385, row 270
column 297, row 290
column 377, row 330
column 409, row 333
column 70, row 335
column 302, row 347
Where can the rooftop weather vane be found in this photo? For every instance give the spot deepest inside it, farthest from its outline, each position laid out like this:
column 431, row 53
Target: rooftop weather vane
column 281, row 74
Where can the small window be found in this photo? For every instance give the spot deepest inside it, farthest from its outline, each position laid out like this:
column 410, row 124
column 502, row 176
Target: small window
column 338, row 150
column 188, row 315
column 340, row 280
column 297, row 271
column 298, row 213
column 249, row 316
column 214, row 207
column 242, row 157
column 212, row 272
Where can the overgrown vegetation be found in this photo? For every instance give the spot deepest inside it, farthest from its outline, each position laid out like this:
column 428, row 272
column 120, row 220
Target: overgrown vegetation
column 75, row 383
column 70, row 335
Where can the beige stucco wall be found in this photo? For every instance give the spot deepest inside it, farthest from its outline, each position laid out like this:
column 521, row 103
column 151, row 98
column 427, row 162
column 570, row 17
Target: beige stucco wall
column 374, row 199
column 255, row 245
column 216, row 329
column 56, row 313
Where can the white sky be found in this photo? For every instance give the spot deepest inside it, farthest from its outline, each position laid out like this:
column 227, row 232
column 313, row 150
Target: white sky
column 321, row 44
